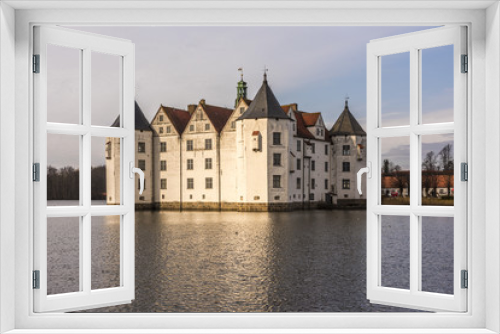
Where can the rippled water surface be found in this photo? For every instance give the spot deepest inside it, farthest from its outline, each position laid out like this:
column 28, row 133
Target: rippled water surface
column 302, row 261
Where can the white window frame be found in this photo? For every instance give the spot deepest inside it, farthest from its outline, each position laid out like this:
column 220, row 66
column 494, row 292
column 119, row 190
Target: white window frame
column 483, row 19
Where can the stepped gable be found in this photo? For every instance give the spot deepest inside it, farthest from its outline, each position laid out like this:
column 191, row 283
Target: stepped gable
column 178, row 117
column 217, row 115
column 264, row 105
column 141, row 123
column 346, row 124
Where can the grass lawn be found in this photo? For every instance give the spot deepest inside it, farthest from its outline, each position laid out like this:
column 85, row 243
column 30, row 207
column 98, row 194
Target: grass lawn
column 425, row 201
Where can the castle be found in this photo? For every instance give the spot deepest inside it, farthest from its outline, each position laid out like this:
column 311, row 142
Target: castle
column 259, row 156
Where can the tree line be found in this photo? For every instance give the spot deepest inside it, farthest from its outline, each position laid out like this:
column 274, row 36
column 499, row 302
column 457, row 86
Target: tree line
column 64, row 183
column 433, row 166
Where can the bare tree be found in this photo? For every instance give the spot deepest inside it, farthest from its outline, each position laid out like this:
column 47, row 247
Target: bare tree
column 430, row 177
column 446, row 156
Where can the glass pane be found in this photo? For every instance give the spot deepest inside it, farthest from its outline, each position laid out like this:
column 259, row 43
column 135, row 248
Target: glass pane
column 63, row 84
column 105, row 176
column 395, row 178
column 395, row 89
column 437, row 84
column 105, row 252
column 63, row 255
column 437, row 169
column 437, row 254
column 106, row 89
column 395, row 254
column 63, row 170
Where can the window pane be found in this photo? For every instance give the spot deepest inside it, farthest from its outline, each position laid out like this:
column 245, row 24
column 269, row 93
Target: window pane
column 437, row 169
column 105, row 175
column 395, row 90
column 105, row 252
column 106, row 89
column 437, row 254
column 63, row 170
column 395, row 251
column 63, row 84
column 437, row 84
column 395, row 169
column 63, row 255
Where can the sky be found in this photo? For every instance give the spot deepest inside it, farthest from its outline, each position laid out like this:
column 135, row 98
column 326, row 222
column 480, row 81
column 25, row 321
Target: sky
column 316, row 67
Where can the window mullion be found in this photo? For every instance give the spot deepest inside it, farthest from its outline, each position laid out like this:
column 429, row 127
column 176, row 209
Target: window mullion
column 414, row 168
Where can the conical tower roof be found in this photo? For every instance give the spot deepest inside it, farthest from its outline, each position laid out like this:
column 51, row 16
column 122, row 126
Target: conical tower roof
column 141, row 123
column 346, row 124
column 264, row 105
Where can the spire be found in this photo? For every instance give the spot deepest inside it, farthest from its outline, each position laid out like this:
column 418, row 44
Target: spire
column 346, row 124
column 241, row 89
column 264, row 105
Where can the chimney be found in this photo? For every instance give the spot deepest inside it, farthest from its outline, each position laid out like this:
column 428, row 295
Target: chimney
column 191, row 108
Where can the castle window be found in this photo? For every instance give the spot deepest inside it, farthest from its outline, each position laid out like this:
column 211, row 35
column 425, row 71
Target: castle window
column 313, row 183
column 208, row 163
column 299, row 164
column 163, row 147
column 209, row 184
column 346, row 150
column 311, row 197
column 141, row 147
column 142, row 165
column 326, row 166
column 190, row 164
column 313, row 147
column 313, row 165
column 191, row 128
column 233, row 125
column 189, row 145
column 190, row 183
column 161, row 118
column 276, row 159
column 242, row 110
column 276, row 181
column 326, row 184
column 163, row 165
column 346, row 166
column 276, row 138
column 346, row 184
column 207, row 126
column 317, row 132
column 299, row 146
column 161, row 129
column 326, row 149
column 208, row 144
column 169, row 129
column 163, row 183
column 299, row 183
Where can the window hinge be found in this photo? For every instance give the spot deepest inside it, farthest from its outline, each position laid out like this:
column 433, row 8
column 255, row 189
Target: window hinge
column 36, row 279
column 36, row 172
column 465, row 64
column 465, row 279
column 36, row 63
column 464, row 171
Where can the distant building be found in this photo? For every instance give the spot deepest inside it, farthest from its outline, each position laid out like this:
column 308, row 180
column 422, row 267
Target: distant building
column 259, row 156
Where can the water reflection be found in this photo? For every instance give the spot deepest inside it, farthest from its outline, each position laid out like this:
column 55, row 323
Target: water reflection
column 303, row 261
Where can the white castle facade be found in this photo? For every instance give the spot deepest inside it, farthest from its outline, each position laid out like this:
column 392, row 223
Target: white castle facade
column 259, row 156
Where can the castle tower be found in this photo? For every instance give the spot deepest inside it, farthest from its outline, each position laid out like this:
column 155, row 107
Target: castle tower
column 349, row 156
column 263, row 134
column 143, row 160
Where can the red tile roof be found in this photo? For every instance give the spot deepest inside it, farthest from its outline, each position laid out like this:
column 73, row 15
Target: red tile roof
column 178, row 117
column 310, row 119
column 301, row 127
column 217, row 115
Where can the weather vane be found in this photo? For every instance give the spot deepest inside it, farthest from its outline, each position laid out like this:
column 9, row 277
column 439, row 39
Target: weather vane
column 265, row 72
column 241, row 72
column 346, row 98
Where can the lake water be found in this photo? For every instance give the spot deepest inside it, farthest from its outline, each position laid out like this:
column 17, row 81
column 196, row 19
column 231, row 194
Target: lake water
column 301, row 261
